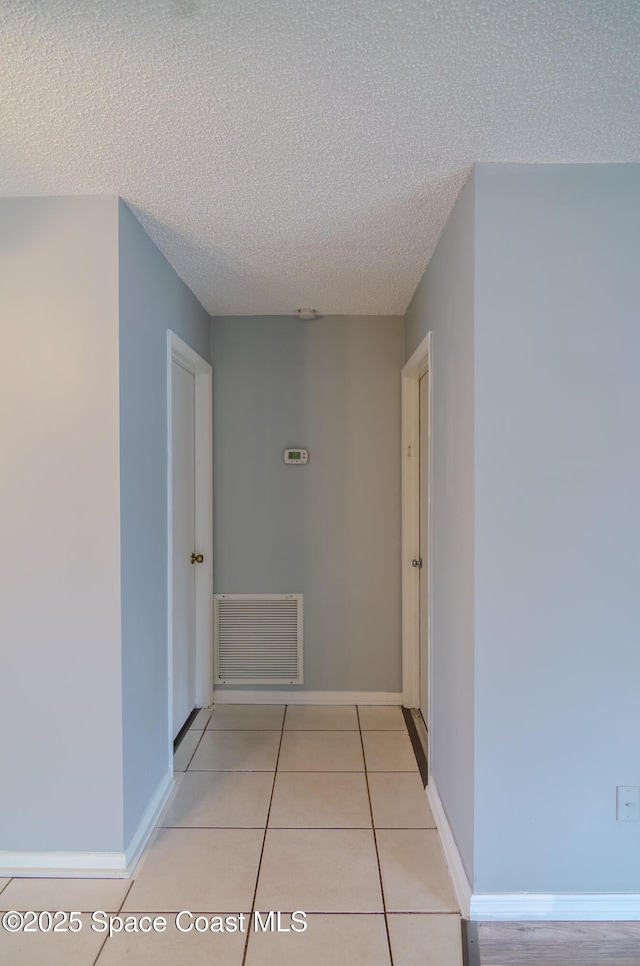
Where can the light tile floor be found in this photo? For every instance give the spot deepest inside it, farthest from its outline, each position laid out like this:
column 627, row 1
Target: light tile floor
column 316, row 809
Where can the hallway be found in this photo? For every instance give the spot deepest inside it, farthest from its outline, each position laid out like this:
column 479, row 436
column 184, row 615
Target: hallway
column 318, row 809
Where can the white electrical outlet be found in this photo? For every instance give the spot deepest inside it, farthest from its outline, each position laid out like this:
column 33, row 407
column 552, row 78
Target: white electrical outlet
column 628, row 803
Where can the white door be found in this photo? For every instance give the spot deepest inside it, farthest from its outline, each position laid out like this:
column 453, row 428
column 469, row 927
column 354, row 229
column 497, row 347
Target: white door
column 424, row 520
column 183, row 539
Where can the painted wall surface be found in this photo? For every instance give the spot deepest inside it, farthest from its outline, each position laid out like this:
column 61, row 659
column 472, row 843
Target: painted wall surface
column 152, row 299
column 444, row 304
column 59, row 526
column 330, row 529
column 557, row 526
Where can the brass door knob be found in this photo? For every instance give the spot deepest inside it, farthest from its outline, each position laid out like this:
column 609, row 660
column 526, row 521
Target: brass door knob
column 197, row 558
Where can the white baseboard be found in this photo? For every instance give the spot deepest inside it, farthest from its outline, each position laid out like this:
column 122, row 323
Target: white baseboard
column 306, row 697
column 556, row 907
column 452, row 855
column 527, row 906
column 65, row 865
column 148, row 821
column 93, row 865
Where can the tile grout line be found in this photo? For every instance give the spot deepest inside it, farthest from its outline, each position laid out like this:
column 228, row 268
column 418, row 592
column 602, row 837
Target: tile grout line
column 194, row 751
column 126, row 895
column 375, row 840
column 264, row 841
column 99, row 954
column 118, row 912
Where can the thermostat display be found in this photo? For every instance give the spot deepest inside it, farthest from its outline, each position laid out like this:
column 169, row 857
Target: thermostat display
column 296, row 456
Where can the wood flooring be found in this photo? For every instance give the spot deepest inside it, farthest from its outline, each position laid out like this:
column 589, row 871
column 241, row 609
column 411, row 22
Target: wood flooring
column 557, row 944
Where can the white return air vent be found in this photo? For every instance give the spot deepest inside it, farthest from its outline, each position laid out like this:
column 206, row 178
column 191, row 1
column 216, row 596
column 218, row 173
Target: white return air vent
column 258, row 638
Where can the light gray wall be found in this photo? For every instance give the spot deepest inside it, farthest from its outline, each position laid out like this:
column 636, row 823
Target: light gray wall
column 60, row 689
column 557, row 526
column 444, row 304
column 153, row 299
column 331, row 529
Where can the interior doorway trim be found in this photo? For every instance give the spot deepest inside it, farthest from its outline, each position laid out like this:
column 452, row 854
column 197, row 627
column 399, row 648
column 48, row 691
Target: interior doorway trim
column 178, row 351
column 418, row 365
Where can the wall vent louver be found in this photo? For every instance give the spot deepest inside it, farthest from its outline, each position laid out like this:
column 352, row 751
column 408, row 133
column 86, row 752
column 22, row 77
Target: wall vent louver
column 258, row 638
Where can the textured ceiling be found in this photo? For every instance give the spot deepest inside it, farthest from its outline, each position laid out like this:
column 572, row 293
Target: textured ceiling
column 289, row 153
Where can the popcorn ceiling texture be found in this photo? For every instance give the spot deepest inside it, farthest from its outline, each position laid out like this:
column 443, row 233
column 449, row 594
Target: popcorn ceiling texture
column 289, row 153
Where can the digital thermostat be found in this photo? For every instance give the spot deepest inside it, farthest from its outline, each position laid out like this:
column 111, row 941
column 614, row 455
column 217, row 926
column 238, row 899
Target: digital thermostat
column 296, row 456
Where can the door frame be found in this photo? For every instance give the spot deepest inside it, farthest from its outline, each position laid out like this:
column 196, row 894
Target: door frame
column 178, row 351
column 419, row 365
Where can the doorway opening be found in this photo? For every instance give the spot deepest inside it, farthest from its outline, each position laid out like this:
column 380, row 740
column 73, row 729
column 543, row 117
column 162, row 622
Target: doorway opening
column 190, row 533
column 416, row 538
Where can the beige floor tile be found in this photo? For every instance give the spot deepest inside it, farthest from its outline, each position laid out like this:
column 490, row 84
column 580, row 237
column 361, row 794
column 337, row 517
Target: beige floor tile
column 388, row 751
column 328, row 870
column 201, row 719
column 381, row 718
column 77, row 895
column 425, row 940
column 222, row 799
column 322, row 800
column 185, row 750
column 4, row 883
column 247, row 717
column 237, row 751
column 414, row 873
column 206, row 870
column 173, row 948
column 301, row 717
column 344, row 940
column 321, row 751
column 399, row 800
column 51, row 949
